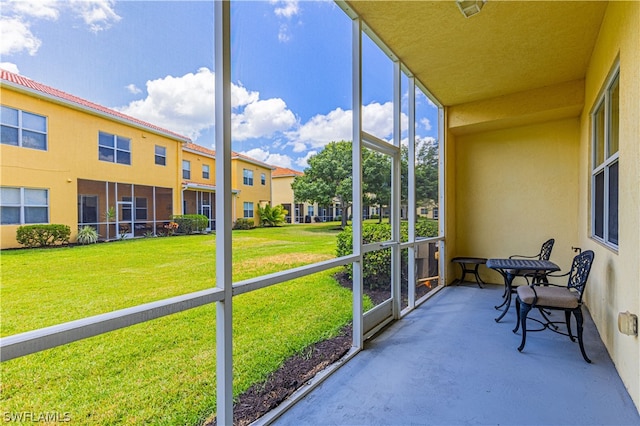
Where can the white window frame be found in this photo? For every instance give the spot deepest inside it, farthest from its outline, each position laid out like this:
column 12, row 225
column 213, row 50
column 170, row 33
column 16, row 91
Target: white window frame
column 186, row 169
column 263, row 179
column 22, row 205
column 247, row 177
column 160, row 155
column 206, row 173
column 21, row 129
column 601, row 168
column 117, row 149
column 248, row 210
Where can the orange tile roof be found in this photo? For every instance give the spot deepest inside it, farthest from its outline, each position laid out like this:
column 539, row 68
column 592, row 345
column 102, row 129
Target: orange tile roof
column 282, row 171
column 50, row 92
column 201, row 149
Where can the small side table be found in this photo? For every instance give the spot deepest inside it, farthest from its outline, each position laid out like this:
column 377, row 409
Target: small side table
column 466, row 267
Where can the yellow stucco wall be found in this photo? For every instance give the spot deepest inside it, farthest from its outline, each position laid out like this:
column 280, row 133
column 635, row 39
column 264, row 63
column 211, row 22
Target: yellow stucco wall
column 516, row 188
column 614, row 284
column 518, row 172
column 257, row 193
column 73, row 154
column 197, row 161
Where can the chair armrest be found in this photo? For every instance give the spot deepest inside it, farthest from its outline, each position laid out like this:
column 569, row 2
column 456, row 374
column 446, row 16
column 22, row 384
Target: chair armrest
column 523, row 256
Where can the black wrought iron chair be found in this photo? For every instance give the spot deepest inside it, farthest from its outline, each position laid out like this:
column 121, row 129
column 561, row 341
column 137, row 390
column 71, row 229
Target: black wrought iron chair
column 537, row 276
column 553, row 297
column 544, row 254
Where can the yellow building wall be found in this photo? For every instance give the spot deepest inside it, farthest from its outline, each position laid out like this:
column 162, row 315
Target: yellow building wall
column 516, row 188
column 73, row 153
column 282, row 192
column 197, row 161
column 257, row 193
column 614, row 283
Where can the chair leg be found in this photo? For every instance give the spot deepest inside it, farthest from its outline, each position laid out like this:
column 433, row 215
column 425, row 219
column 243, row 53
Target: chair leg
column 567, row 318
column 579, row 321
column 515, row 330
column 524, row 311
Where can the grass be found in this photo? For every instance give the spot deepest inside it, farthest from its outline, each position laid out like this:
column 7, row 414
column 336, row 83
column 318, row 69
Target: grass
column 163, row 371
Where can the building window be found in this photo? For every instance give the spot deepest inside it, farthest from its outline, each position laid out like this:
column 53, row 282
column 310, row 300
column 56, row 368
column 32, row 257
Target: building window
column 21, row 128
column 247, row 177
column 263, row 179
column 161, row 155
column 248, row 210
column 310, row 210
column 114, row 149
column 205, row 171
column 605, row 121
column 141, row 208
column 186, row 169
column 23, row 205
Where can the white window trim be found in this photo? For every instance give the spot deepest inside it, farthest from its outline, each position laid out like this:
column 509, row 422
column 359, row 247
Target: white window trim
column 21, row 128
column 22, row 205
column 603, row 100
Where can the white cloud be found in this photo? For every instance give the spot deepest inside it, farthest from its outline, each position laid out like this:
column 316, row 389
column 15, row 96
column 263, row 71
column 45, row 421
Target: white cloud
column 11, row 67
column 426, row 123
column 183, row 104
column 16, row 36
column 186, row 105
column 18, row 17
column 269, row 158
column 337, row 125
column 132, row 88
column 283, row 34
column 41, row 9
column 99, row 15
column 303, row 162
column 285, row 8
column 261, row 118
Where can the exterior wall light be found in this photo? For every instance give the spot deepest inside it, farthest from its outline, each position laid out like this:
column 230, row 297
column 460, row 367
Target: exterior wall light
column 470, row 7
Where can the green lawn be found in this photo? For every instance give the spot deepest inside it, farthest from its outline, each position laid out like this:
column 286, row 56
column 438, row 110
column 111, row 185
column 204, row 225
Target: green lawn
column 163, row 371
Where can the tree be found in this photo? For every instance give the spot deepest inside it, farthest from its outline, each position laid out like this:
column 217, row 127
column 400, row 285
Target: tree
column 427, row 172
column 269, row 216
column 376, row 179
column 328, row 178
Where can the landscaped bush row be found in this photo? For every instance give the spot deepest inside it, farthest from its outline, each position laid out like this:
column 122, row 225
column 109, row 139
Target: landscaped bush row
column 377, row 264
column 190, row 223
column 43, row 235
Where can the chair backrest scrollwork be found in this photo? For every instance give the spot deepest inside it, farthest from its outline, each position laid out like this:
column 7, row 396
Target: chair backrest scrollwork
column 580, row 269
column 545, row 251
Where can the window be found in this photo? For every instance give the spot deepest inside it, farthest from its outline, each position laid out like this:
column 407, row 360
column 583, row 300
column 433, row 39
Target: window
column 21, row 128
column 248, row 209
column 114, row 149
column 141, row 208
column 263, row 179
column 605, row 121
column 247, row 177
column 205, row 171
column 161, row 155
column 186, row 169
column 310, row 210
column 23, row 205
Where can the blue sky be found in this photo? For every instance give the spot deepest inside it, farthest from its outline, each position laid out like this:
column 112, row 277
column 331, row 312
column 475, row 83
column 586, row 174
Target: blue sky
column 291, row 68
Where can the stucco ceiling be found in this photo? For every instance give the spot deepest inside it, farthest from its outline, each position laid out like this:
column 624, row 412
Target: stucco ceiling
column 509, row 47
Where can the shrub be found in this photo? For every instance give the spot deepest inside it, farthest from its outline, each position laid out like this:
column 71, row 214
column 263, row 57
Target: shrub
column 272, row 216
column 190, row 223
column 87, row 235
column 242, row 223
column 43, row 235
column 377, row 264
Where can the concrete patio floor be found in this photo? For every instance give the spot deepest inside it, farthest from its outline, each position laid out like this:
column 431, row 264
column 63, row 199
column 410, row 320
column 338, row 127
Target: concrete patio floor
column 449, row 363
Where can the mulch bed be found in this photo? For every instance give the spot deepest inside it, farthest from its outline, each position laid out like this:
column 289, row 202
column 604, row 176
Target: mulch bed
column 261, row 398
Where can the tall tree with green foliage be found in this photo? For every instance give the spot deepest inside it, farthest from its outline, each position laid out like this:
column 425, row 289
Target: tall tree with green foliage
column 329, row 177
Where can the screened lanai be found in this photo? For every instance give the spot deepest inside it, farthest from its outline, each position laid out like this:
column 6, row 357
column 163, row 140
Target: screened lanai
column 508, row 96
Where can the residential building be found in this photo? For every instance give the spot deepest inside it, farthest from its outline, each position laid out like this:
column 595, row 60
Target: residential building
column 70, row 161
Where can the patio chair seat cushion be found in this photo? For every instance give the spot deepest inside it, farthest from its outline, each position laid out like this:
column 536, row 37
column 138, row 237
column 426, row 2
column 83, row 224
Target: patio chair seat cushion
column 552, row 297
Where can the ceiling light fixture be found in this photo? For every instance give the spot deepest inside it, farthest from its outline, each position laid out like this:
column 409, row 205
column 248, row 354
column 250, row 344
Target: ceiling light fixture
column 470, row 7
